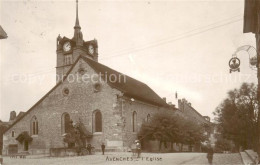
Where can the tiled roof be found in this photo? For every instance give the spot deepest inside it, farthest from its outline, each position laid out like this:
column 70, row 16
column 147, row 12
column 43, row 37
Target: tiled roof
column 129, row 86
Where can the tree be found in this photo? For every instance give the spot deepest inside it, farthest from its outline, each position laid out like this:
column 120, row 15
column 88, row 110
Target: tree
column 223, row 145
column 77, row 134
column 236, row 117
column 173, row 129
column 191, row 132
column 161, row 127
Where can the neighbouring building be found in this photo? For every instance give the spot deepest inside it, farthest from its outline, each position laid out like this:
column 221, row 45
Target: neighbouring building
column 111, row 105
column 187, row 110
column 5, row 124
column 3, row 34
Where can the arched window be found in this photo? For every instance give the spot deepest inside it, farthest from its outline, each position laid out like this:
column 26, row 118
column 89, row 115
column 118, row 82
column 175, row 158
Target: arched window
column 134, row 121
column 34, row 126
column 65, row 121
column 97, row 121
column 148, row 117
column 12, row 133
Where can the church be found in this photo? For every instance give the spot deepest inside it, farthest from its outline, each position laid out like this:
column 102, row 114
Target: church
column 112, row 106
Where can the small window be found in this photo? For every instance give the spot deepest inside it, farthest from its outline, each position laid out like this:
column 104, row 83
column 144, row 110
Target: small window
column 134, row 121
column 12, row 133
column 81, row 71
column 65, row 91
column 97, row 87
column 148, row 117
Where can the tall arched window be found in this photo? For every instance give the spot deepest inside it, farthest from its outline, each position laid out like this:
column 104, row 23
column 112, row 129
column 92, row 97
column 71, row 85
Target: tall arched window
column 65, row 121
column 97, row 121
column 148, row 117
column 134, row 121
column 34, row 126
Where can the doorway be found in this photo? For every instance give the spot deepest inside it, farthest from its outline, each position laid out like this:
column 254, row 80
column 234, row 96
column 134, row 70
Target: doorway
column 12, row 149
column 26, row 145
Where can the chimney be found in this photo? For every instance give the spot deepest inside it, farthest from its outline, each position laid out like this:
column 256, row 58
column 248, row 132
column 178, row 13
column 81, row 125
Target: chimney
column 164, row 98
column 180, row 104
column 12, row 115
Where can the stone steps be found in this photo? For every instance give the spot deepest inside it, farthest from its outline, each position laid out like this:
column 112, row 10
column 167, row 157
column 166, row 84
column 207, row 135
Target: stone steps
column 246, row 159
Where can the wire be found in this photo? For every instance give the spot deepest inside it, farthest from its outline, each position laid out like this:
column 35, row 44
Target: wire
column 198, row 28
column 173, row 40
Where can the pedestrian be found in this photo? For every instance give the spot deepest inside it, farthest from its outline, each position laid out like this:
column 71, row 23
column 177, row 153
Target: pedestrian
column 210, row 154
column 133, row 148
column 89, row 149
column 103, row 148
column 138, row 147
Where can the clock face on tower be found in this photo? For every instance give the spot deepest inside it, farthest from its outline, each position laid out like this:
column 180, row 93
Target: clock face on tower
column 66, row 46
column 91, row 49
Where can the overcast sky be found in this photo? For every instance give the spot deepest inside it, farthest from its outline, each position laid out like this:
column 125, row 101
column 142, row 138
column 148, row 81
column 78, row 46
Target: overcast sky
column 176, row 45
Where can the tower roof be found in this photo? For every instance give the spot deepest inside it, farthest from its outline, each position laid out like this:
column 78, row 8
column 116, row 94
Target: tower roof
column 78, row 37
column 77, row 17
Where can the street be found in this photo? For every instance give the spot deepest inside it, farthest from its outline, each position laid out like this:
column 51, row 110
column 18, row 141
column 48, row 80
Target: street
column 126, row 158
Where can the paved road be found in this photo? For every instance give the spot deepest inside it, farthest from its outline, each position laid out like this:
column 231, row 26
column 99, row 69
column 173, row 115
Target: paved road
column 127, row 159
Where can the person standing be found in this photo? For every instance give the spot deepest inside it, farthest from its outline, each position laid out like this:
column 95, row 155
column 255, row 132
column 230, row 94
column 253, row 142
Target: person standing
column 138, row 147
column 89, row 149
column 103, row 148
column 210, row 154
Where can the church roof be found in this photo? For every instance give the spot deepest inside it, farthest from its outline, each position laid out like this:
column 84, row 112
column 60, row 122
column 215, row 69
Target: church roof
column 129, row 86
column 19, row 115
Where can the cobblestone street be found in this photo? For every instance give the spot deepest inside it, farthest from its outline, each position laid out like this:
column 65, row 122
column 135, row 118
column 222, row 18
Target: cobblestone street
column 126, row 158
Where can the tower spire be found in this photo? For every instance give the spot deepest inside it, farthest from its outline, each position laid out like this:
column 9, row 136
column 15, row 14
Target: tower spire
column 77, row 17
column 78, row 37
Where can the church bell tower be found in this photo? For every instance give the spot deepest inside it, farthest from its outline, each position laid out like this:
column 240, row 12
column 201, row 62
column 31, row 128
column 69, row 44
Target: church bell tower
column 68, row 50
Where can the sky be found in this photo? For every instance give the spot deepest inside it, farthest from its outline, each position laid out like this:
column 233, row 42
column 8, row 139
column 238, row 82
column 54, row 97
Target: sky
column 181, row 46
